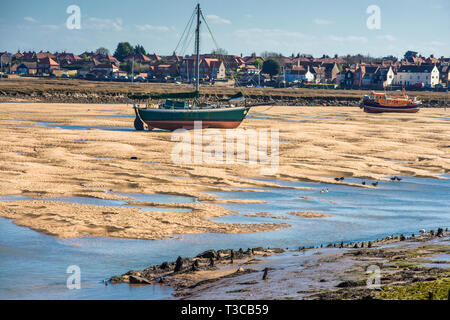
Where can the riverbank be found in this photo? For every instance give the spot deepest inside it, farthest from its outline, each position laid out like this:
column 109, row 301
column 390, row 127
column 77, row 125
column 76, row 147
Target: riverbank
column 93, row 152
column 45, row 90
column 413, row 268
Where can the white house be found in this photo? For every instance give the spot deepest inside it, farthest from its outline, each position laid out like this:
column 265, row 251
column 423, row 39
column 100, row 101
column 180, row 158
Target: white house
column 384, row 76
column 410, row 75
column 299, row 74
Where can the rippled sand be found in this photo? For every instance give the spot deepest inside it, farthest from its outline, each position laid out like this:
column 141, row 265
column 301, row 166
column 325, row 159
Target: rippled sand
column 317, row 144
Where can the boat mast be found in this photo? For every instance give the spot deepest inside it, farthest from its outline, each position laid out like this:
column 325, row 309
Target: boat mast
column 197, row 50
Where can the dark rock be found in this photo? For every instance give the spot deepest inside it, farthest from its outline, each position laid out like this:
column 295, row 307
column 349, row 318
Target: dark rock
column 195, row 266
column 440, row 232
column 402, row 238
column 265, row 275
column 178, row 264
column 139, row 280
column 208, row 254
column 211, row 262
column 164, row 266
column 134, row 158
column 115, row 279
column 349, row 284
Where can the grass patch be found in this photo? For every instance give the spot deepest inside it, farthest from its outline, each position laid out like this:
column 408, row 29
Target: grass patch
column 426, row 290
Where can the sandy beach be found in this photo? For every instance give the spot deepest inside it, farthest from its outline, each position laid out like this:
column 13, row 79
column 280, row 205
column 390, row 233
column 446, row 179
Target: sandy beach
column 318, row 144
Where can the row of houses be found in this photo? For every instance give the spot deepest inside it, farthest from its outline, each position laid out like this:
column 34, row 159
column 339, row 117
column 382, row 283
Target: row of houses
column 414, row 70
column 368, row 75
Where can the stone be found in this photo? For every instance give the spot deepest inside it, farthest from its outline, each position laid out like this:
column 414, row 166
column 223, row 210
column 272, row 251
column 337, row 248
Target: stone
column 348, row 284
column 208, row 254
column 265, row 275
column 139, row 280
column 178, row 264
column 195, row 266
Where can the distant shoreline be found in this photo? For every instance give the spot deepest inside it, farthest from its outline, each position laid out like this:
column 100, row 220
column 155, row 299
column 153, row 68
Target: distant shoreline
column 82, row 91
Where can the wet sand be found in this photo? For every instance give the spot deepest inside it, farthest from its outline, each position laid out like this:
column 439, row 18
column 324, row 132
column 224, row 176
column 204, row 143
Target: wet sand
column 318, row 144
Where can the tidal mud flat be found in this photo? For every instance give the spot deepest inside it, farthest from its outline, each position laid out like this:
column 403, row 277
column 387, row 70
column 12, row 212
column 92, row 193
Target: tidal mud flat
column 93, row 188
column 53, row 151
column 412, row 268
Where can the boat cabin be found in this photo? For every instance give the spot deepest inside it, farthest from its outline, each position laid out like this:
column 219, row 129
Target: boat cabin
column 382, row 99
column 170, row 104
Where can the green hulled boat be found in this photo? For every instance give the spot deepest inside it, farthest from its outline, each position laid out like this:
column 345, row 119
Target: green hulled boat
column 184, row 110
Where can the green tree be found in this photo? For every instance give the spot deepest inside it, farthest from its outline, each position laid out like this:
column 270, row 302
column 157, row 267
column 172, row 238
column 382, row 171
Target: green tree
column 124, row 49
column 410, row 54
column 138, row 49
column 258, row 63
column 102, row 50
column 219, row 52
column 271, row 67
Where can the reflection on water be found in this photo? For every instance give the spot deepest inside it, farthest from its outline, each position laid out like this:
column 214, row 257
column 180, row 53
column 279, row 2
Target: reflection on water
column 33, row 265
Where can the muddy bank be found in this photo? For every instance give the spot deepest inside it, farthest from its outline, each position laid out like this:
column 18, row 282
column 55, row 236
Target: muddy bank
column 333, row 271
column 81, row 91
column 67, row 96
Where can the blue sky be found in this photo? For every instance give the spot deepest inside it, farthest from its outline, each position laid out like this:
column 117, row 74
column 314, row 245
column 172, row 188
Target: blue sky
column 239, row 26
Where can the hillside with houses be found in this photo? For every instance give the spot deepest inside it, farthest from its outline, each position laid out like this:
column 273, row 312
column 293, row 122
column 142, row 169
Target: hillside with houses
column 349, row 72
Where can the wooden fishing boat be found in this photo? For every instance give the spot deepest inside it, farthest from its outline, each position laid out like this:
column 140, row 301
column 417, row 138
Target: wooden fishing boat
column 184, row 110
column 379, row 102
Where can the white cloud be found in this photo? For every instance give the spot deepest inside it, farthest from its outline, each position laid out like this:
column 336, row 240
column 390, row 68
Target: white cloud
column 148, row 27
column 349, row 39
column 217, row 20
column 30, row 19
column 436, row 43
column 104, row 24
column 270, row 33
column 50, row 26
column 387, row 37
column 322, row 21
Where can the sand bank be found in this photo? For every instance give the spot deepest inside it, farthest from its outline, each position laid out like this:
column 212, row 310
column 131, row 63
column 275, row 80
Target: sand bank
column 40, row 160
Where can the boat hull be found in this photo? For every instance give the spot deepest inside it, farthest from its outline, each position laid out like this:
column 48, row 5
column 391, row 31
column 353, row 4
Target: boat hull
column 174, row 125
column 172, row 119
column 374, row 107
